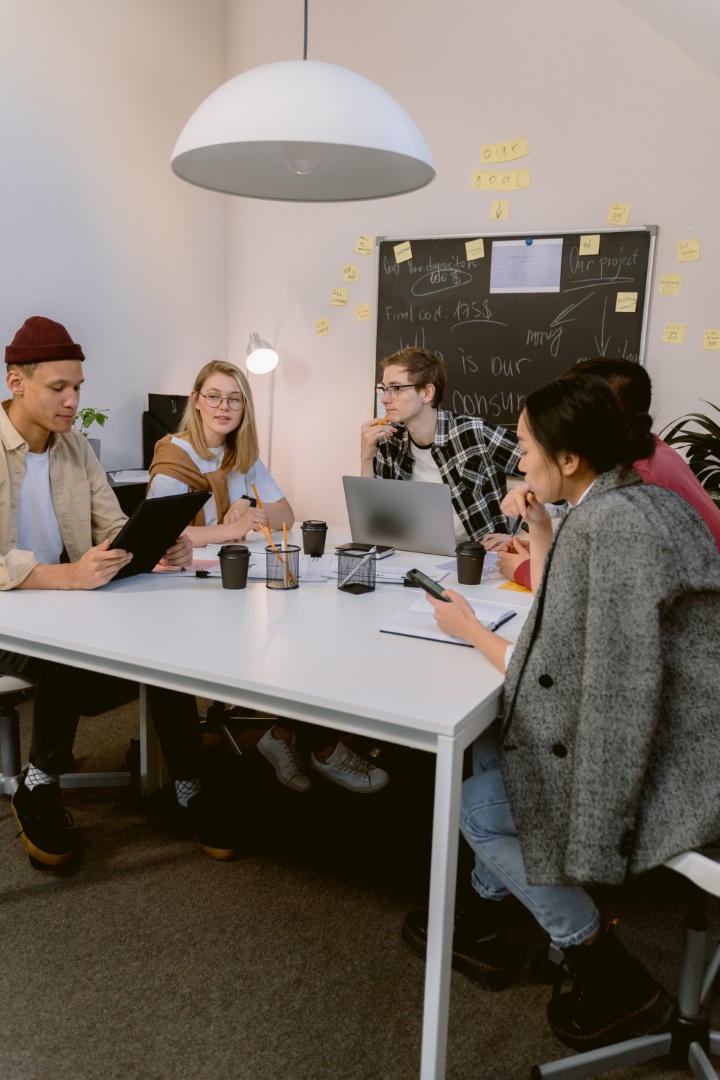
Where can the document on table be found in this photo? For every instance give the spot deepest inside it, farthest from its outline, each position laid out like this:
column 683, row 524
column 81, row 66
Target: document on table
column 419, row 620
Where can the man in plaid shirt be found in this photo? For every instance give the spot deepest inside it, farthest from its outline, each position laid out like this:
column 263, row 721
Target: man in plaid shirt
column 422, row 442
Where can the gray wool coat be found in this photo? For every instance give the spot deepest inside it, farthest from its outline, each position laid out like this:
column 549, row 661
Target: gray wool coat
column 610, row 736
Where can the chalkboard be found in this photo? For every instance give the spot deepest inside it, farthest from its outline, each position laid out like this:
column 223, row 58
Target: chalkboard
column 500, row 345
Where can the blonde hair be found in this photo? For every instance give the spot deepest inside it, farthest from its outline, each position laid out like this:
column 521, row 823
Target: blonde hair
column 241, row 446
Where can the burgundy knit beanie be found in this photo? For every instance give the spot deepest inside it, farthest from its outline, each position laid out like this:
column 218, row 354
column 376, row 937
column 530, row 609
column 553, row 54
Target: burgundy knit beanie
column 40, row 339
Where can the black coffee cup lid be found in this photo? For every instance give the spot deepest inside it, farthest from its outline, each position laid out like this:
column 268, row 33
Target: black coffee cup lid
column 234, row 551
column 314, row 524
column 470, row 547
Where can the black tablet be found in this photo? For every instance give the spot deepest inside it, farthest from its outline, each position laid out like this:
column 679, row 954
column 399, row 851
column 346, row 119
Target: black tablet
column 153, row 527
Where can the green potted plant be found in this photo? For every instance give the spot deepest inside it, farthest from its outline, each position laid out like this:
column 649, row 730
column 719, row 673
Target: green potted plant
column 699, row 436
column 84, row 419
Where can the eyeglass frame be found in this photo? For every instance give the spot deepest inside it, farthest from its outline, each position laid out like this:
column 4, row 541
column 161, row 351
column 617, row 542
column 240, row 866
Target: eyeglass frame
column 224, row 397
column 393, row 391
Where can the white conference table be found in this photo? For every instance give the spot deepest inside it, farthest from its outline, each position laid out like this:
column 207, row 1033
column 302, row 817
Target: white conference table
column 314, row 654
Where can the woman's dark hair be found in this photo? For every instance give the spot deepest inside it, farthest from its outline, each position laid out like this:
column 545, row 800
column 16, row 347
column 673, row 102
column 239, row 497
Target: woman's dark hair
column 630, row 383
column 579, row 415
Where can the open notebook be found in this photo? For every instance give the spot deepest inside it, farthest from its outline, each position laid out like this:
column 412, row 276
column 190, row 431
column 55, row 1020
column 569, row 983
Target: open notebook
column 418, row 620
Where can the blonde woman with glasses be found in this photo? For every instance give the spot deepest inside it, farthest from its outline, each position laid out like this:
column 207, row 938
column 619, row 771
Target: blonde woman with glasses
column 216, row 449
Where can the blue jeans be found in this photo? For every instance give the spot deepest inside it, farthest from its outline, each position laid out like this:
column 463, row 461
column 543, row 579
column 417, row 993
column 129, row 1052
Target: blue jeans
column 566, row 912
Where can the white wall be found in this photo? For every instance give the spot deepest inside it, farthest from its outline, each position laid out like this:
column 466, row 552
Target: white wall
column 96, row 230
column 613, row 112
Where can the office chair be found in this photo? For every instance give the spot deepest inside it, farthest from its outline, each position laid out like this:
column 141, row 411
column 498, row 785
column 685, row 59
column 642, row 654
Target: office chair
column 690, row 1039
column 152, row 770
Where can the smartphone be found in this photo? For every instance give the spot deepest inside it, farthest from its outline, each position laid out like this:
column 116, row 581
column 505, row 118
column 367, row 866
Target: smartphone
column 427, row 584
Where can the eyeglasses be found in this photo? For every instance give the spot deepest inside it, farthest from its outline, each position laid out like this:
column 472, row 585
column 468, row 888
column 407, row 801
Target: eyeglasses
column 393, row 391
column 214, row 401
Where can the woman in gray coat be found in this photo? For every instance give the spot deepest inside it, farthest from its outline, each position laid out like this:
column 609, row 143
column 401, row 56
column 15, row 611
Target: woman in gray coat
column 606, row 759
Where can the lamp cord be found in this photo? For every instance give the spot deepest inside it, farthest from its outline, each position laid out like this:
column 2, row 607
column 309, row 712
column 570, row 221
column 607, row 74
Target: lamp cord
column 306, row 28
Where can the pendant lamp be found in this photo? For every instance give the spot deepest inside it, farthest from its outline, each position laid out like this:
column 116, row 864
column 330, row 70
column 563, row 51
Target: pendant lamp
column 302, row 131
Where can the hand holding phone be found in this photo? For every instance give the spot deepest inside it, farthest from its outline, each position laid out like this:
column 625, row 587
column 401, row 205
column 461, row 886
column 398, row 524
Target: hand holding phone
column 427, row 583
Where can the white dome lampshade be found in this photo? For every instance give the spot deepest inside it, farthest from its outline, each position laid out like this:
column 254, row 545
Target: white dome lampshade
column 302, row 131
column 261, row 357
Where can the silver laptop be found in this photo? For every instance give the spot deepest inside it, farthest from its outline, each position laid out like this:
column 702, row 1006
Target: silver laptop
column 405, row 514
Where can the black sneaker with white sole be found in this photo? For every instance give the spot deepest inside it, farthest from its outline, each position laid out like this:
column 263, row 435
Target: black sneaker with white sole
column 45, row 824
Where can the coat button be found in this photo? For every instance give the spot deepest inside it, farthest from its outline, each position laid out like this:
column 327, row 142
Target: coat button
column 559, row 749
column 545, row 681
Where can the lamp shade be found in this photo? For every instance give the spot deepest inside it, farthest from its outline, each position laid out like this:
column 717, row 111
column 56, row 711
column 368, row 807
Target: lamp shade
column 261, row 357
column 302, row 131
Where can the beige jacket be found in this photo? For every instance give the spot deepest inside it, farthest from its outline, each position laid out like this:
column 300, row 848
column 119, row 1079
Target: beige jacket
column 86, row 507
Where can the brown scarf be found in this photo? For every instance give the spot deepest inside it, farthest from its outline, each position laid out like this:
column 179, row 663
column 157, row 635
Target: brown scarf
column 171, row 460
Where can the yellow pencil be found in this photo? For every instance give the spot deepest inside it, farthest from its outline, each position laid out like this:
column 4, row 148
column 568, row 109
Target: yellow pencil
column 383, row 421
column 266, row 533
column 258, row 500
column 287, row 555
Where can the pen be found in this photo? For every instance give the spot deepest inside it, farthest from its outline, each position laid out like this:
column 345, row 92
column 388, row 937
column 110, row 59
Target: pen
column 363, row 562
column 516, row 526
column 503, row 619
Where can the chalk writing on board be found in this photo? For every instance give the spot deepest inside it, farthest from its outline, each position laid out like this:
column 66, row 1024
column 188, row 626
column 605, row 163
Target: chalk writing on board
column 498, row 347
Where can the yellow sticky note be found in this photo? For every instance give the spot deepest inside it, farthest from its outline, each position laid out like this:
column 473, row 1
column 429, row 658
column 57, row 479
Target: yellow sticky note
column 403, row 252
column 670, row 284
column 500, row 210
column 364, row 245
column 322, row 327
column 474, row 249
column 363, row 312
column 674, row 333
column 711, row 340
column 619, row 214
column 484, row 180
column 339, row 298
column 688, row 250
column 589, row 245
column 626, row 301
column 351, row 272
column 514, row 586
column 492, row 153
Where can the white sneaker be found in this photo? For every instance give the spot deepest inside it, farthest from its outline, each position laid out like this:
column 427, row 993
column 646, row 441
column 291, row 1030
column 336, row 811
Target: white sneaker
column 286, row 760
column 344, row 767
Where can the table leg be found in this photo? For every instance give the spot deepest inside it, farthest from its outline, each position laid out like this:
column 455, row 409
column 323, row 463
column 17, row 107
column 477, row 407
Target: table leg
column 445, row 834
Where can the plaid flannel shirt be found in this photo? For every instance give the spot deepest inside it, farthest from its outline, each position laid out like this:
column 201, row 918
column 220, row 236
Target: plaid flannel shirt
column 473, row 457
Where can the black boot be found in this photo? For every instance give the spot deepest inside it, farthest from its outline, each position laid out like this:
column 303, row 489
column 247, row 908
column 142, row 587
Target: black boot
column 613, row 997
column 480, row 948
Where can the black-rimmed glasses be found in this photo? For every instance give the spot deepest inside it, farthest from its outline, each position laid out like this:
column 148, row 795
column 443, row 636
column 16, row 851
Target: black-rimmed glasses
column 392, row 391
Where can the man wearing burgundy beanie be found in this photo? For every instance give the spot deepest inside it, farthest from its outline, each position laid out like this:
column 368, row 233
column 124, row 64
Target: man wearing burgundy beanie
column 58, row 516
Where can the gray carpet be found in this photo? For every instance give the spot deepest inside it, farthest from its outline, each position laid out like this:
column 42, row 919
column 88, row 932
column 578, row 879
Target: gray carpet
column 151, row 961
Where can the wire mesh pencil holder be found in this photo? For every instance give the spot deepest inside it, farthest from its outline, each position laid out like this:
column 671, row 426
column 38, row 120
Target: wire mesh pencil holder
column 356, row 572
column 282, row 566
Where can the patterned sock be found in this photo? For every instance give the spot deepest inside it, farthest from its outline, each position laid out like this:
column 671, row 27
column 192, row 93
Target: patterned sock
column 37, row 776
column 186, row 789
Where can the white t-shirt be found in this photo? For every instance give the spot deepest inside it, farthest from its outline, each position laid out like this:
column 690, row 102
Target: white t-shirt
column 426, row 471
column 38, row 529
column 239, row 484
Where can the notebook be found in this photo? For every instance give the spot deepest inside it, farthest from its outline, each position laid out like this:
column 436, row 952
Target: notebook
column 404, row 514
column 419, row 620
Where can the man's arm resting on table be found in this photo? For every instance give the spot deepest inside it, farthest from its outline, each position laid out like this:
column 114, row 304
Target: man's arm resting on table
column 95, row 568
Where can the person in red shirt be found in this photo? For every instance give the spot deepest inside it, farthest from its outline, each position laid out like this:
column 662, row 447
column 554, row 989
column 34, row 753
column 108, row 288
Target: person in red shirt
column 631, row 385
